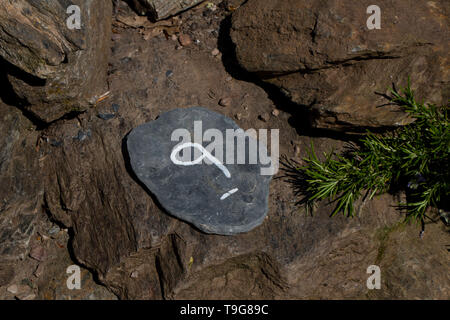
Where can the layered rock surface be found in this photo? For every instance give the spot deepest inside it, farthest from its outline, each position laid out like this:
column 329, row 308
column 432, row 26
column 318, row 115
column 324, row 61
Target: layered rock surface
column 323, row 57
column 78, row 170
column 53, row 69
column 140, row 252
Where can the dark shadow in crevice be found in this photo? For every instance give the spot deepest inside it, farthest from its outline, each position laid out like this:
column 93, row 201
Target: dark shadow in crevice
column 10, row 97
column 302, row 116
column 70, row 249
column 160, row 273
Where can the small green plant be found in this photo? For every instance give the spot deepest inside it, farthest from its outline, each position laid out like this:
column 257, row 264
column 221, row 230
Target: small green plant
column 414, row 158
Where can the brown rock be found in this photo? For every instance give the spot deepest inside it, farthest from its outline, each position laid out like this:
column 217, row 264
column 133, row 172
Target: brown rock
column 20, row 290
column 13, row 289
column 323, row 57
column 52, row 69
column 6, row 274
column 38, row 253
column 215, row 52
column 185, row 40
column 119, row 229
column 21, row 186
column 161, row 9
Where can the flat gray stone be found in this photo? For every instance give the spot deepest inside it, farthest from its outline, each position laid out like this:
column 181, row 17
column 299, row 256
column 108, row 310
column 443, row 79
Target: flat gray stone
column 195, row 193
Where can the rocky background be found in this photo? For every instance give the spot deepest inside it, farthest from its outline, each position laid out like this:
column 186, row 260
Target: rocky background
column 311, row 69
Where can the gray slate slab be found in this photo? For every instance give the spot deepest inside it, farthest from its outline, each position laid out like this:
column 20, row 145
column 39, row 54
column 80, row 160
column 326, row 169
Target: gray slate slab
column 192, row 193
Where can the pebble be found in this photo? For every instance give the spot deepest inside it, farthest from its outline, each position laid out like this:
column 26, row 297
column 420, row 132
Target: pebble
column 238, row 116
column 38, row 253
column 174, row 37
column 81, row 135
column 184, row 40
column 225, row 102
column 55, row 143
column 21, row 290
column 106, row 116
column 44, row 237
column 53, row 230
column 229, row 78
column 276, row 112
column 13, row 289
column 134, row 274
column 215, row 52
column 264, row 117
column 115, row 107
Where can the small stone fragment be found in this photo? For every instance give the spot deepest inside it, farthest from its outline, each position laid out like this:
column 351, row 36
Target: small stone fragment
column 225, row 102
column 276, row 112
column 215, row 52
column 38, row 253
column 174, row 37
column 54, row 230
column 13, row 289
column 211, row 6
column 134, row 274
column 55, row 143
column 106, row 116
column 81, row 136
column 184, row 40
column 115, row 107
column 19, row 290
column 26, row 296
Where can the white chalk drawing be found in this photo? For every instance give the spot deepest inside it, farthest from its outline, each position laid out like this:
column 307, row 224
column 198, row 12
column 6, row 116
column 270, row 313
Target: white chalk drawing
column 205, row 154
column 229, row 193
